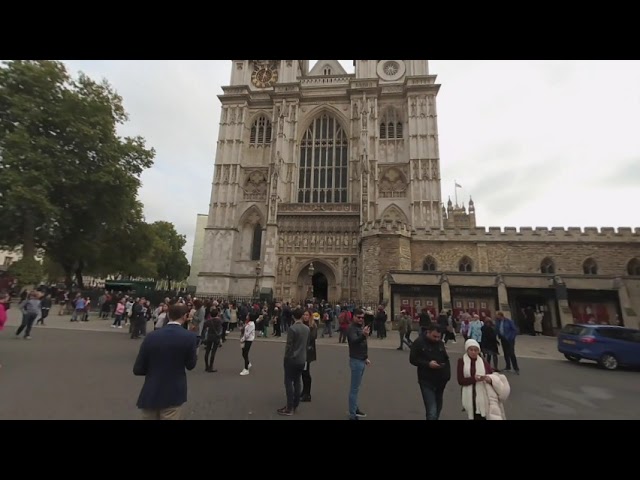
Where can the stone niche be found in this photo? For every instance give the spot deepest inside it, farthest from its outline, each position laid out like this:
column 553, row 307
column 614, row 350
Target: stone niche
column 255, row 184
column 393, row 181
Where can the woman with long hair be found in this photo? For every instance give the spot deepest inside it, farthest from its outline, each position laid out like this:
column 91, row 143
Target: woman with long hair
column 309, row 319
column 247, row 336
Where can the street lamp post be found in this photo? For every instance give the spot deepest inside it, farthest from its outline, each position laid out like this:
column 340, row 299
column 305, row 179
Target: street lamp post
column 256, row 288
column 311, row 272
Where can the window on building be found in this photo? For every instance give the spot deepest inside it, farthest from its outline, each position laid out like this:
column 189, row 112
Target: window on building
column 260, row 132
column 547, row 266
column 256, row 243
column 465, row 265
column 327, row 70
column 323, row 162
column 633, row 267
column 391, row 125
column 8, row 261
column 429, row 264
column 590, row 267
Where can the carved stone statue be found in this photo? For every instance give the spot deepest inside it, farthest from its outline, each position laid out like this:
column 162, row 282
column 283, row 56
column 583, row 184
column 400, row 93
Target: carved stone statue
column 444, row 278
column 354, row 268
column 305, row 242
column 297, row 239
column 330, row 240
column 321, row 242
column 499, row 280
column 354, row 240
column 345, row 267
column 345, row 239
column 279, row 266
column 287, row 267
column 313, row 240
column 281, row 242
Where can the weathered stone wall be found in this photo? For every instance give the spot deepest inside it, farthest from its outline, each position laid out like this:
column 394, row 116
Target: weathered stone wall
column 515, row 257
column 380, row 254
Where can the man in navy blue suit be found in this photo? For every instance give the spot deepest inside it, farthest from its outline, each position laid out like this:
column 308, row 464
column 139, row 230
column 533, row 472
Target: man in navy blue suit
column 164, row 355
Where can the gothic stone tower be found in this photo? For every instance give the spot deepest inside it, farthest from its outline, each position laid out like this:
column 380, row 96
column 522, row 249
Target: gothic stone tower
column 320, row 177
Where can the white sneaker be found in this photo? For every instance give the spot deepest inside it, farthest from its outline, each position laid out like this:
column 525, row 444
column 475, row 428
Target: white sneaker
column 113, row 326
column 250, row 366
column 119, row 326
column 244, row 372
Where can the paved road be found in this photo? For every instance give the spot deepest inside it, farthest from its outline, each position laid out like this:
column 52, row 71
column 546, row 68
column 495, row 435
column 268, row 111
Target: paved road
column 70, row 374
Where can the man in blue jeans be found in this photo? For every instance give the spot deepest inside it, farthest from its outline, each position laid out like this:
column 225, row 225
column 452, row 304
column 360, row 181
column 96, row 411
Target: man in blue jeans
column 429, row 354
column 358, row 360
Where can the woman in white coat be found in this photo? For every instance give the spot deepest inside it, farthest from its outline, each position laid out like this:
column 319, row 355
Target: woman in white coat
column 483, row 391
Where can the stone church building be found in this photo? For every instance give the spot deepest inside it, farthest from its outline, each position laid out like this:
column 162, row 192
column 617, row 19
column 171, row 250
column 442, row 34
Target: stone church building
column 327, row 184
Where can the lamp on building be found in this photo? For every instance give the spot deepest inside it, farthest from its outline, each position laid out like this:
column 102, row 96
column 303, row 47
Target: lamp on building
column 311, row 272
column 256, row 288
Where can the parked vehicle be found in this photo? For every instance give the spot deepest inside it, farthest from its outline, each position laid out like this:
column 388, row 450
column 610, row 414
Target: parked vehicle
column 610, row 346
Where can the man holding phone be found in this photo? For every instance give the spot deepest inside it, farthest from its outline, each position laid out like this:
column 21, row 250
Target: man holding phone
column 358, row 360
column 429, row 354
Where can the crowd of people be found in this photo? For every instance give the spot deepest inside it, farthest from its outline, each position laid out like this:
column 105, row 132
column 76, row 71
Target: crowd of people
column 183, row 324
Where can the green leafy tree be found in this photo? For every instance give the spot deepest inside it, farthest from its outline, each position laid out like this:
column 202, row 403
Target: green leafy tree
column 82, row 178
column 172, row 263
column 28, row 271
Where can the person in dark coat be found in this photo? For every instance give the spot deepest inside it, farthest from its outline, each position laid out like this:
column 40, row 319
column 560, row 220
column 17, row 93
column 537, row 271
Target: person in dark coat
column 489, row 343
column 163, row 357
column 310, row 320
column 429, row 354
column 212, row 335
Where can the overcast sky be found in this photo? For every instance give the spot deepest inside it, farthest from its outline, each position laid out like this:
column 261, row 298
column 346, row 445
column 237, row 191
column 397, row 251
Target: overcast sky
column 535, row 143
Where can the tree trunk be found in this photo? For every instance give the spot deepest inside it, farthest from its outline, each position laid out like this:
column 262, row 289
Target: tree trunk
column 79, row 275
column 68, row 280
column 28, row 239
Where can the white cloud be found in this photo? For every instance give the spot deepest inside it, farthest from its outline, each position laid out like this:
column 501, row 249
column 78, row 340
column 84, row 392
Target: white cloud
column 536, row 143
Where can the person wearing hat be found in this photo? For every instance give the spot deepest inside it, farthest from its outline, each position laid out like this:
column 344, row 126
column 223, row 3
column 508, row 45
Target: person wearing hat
column 473, row 377
column 429, row 354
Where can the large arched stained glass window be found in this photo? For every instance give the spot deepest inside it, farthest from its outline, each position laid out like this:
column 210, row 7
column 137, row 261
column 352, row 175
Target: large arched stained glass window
column 324, row 162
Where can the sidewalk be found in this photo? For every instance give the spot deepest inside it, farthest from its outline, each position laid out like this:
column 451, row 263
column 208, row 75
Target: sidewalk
column 542, row 348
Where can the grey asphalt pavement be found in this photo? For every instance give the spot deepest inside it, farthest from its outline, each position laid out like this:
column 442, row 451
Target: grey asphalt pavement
column 71, row 374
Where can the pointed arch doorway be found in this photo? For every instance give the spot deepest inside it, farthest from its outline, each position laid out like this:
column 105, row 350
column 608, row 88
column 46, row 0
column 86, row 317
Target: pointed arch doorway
column 317, row 279
column 320, row 286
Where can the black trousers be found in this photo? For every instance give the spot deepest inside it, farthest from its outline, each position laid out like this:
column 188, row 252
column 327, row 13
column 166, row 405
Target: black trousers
column 210, row 354
column 306, row 381
column 292, row 374
column 245, row 354
column 27, row 323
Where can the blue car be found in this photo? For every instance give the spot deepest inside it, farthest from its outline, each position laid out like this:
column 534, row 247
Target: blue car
column 610, row 346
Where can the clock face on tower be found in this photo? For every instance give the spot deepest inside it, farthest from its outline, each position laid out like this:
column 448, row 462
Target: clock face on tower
column 264, row 76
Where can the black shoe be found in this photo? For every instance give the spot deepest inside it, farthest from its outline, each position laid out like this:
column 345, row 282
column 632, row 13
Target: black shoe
column 360, row 414
column 400, row 348
column 305, row 398
column 285, row 412
column 213, row 370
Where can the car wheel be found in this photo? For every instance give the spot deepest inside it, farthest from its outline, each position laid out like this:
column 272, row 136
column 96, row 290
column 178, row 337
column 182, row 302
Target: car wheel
column 608, row 361
column 572, row 358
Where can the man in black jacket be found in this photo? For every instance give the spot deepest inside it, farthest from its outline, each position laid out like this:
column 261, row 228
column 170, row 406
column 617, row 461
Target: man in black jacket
column 429, row 354
column 358, row 360
column 212, row 330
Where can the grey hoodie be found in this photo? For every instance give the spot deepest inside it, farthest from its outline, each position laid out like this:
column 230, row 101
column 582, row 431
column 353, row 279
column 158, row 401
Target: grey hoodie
column 31, row 307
